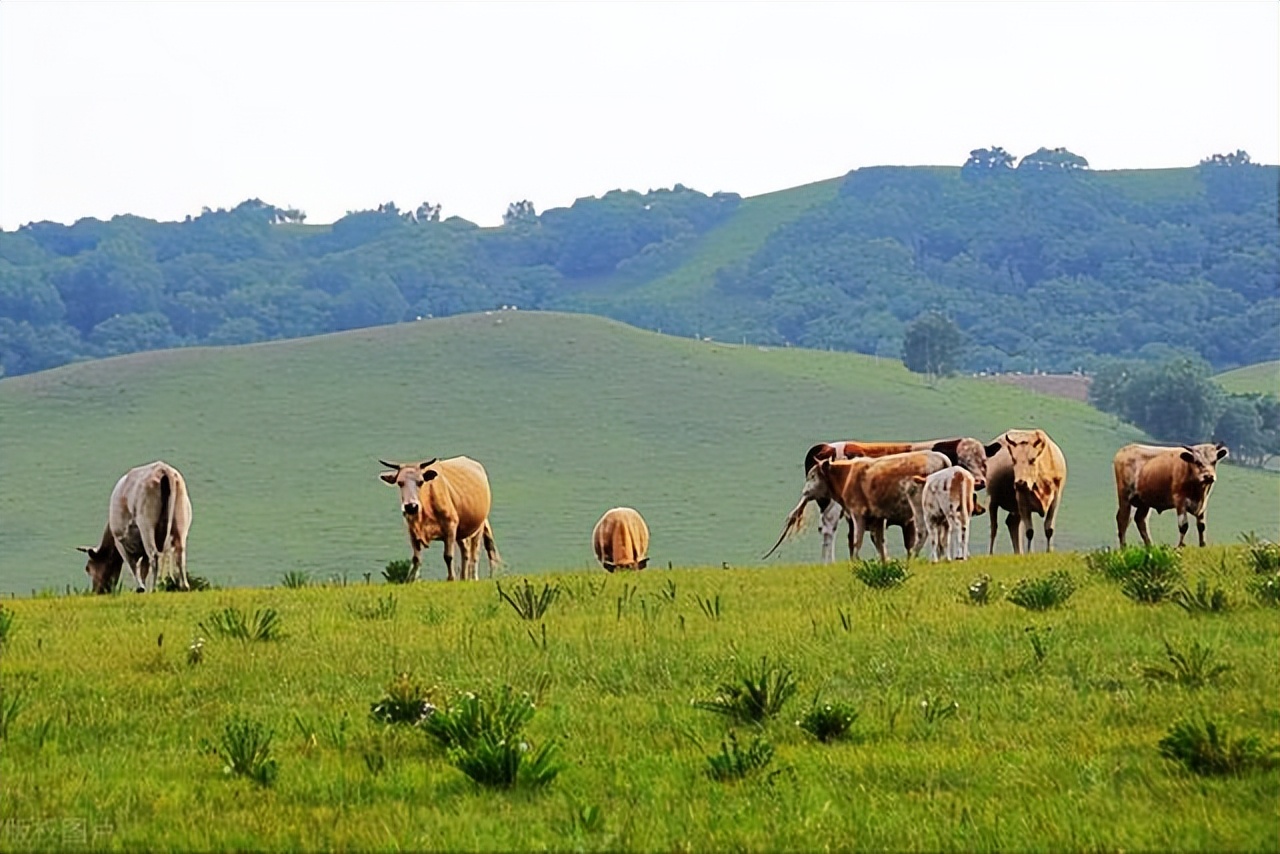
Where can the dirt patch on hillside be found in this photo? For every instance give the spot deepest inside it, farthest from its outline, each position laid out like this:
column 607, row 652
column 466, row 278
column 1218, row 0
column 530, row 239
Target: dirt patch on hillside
column 1073, row 386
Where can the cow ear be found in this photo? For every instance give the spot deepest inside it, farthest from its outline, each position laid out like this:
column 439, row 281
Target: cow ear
column 86, row 549
column 992, row 449
column 644, row 564
column 388, row 477
column 918, row 479
column 1187, row 457
column 1222, row 451
column 429, row 475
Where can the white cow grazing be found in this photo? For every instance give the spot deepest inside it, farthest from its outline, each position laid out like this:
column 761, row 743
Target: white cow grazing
column 149, row 514
column 947, row 505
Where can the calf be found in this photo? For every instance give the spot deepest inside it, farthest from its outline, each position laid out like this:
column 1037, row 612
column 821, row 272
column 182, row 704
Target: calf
column 149, row 513
column 621, row 540
column 947, row 505
column 1150, row 477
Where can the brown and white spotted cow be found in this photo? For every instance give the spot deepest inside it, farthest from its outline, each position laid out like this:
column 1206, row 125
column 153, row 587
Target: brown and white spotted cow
column 149, row 514
column 1151, row 477
column 874, row 492
column 965, row 452
column 621, row 539
column 446, row 500
column 947, row 506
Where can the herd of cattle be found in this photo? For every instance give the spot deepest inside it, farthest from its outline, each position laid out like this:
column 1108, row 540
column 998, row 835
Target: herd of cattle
column 928, row 489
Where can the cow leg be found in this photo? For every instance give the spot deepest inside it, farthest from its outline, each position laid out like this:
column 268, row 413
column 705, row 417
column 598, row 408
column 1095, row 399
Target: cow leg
column 1050, row 520
column 877, row 538
column 857, row 527
column 1014, row 523
column 450, row 538
column 828, row 524
column 991, row 549
column 1184, row 525
column 131, row 559
column 1200, row 526
column 1122, row 521
column 1140, row 522
column 416, row 560
column 180, row 563
column 962, row 534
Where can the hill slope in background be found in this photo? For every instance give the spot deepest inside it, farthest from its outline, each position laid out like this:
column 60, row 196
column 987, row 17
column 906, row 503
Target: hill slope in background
column 570, row 414
column 1262, row 378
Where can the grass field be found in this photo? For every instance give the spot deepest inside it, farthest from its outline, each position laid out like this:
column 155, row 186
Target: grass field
column 571, row 415
column 978, row 728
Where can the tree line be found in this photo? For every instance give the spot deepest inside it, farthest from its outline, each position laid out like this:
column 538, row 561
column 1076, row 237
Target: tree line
column 1037, row 263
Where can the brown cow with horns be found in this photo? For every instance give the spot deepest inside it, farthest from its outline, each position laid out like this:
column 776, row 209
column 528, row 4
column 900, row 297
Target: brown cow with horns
column 446, row 500
column 1150, row 477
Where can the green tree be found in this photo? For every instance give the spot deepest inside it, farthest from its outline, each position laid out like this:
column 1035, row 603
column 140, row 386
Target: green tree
column 1052, row 160
column 933, row 345
column 521, row 212
column 986, row 161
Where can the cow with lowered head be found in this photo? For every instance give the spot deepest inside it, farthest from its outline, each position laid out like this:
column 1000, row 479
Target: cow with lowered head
column 446, row 500
column 149, row 514
column 1151, row 477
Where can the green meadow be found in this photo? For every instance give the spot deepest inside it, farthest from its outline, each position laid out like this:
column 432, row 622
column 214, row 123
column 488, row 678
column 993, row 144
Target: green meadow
column 571, row 415
column 1262, row 378
column 977, row 727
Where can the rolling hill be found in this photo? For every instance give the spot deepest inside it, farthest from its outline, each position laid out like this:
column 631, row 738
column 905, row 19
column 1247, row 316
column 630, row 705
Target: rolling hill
column 1262, row 378
column 571, row 414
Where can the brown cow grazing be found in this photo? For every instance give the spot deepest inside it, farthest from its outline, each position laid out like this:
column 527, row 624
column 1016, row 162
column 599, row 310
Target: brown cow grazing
column 947, row 506
column 149, row 513
column 446, row 500
column 1149, row 477
column 874, row 492
column 965, row 452
column 621, row 540
column 1025, row 476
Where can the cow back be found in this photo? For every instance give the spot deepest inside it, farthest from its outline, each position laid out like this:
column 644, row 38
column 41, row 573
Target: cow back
column 884, row 487
column 461, row 488
column 621, row 539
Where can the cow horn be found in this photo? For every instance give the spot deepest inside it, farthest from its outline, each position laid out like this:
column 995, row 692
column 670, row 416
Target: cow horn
column 428, row 463
column 390, row 465
column 86, row 549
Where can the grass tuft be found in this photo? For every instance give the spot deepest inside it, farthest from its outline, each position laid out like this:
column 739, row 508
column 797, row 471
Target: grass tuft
column 759, row 694
column 1122, row 564
column 6, row 626
column 231, row 622
column 399, row 572
column 1205, row 748
column 735, row 762
column 1041, row 594
column 881, row 574
column 1262, row 555
column 484, row 741
column 1193, row 669
column 384, row 608
column 404, row 703
column 527, row 603
column 829, row 721
column 246, row 750
column 1202, row 600
column 296, row 579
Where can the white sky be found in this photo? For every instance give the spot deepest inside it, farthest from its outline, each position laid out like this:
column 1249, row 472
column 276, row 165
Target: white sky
column 160, row 108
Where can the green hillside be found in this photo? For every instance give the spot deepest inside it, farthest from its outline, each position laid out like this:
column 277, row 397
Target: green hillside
column 1262, row 378
column 571, row 415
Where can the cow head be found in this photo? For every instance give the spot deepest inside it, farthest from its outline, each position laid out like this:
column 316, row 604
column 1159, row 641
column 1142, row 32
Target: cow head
column 1203, row 461
column 1025, row 448
column 971, row 455
column 409, row 478
column 103, row 567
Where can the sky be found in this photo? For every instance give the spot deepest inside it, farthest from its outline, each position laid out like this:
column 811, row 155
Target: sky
column 164, row 107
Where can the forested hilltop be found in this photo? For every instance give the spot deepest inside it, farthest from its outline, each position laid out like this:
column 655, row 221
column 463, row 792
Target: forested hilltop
column 1045, row 265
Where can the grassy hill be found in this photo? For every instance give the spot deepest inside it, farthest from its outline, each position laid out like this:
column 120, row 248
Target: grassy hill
column 571, row 414
column 1262, row 378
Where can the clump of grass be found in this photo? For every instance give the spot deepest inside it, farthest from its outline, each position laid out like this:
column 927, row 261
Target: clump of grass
column 1152, row 582
column 1263, row 555
column 296, row 579
column 1039, row 642
column 881, row 574
column 1193, row 669
column 828, row 722
column 1266, row 589
column 483, row 739
column 980, row 590
column 734, row 762
column 530, row 605
column 169, row 584
column 246, row 749
column 381, row 609
column 1202, row 600
column 709, row 606
column 1206, row 749
column 404, row 703
column 399, row 572
column 231, row 622
column 934, row 710
column 195, row 652
column 1121, row 564
column 758, row 694
column 1041, row 594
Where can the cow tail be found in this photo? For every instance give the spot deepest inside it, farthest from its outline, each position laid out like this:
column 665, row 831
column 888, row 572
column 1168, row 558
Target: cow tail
column 166, row 512
column 490, row 546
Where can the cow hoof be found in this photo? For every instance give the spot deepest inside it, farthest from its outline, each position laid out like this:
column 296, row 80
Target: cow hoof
column 141, row 590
